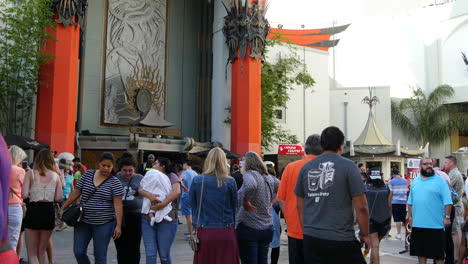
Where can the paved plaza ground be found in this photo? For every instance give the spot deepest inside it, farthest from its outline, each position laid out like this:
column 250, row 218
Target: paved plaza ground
column 182, row 254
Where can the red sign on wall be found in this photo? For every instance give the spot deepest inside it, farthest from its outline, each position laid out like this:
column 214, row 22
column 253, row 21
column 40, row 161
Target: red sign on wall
column 291, row 149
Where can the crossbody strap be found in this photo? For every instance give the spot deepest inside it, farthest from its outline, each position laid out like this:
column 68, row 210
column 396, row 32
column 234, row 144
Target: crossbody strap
column 95, row 188
column 267, row 184
column 16, row 194
column 128, row 188
column 200, row 207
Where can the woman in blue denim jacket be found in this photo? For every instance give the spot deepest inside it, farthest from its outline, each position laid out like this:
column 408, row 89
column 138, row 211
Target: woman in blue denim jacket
column 213, row 198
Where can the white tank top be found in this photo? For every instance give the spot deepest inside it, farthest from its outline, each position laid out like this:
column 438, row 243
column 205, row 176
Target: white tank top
column 42, row 192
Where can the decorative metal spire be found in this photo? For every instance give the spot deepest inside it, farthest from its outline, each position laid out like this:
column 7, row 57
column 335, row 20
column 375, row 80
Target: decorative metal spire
column 371, row 100
column 245, row 26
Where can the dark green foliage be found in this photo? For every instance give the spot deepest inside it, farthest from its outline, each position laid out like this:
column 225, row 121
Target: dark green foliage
column 278, row 78
column 23, row 32
column 428, row 118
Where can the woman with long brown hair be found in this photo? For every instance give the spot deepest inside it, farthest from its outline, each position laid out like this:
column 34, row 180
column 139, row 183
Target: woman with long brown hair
column 213, row 198
column 43, row 187
column 254, row 220
column 101, row 197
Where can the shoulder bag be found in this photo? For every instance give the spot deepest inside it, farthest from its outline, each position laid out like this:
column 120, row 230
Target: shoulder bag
column 193, row 239
column 72, row 215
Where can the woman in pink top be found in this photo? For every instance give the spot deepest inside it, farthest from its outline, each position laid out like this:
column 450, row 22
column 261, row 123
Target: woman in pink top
column 15, row 200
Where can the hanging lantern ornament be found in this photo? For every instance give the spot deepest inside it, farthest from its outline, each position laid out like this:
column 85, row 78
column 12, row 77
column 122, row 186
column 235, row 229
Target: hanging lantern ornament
column 245, row 26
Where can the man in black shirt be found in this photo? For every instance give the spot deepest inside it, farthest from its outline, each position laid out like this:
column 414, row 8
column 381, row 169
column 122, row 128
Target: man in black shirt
column 148, row 165
column 237, row 175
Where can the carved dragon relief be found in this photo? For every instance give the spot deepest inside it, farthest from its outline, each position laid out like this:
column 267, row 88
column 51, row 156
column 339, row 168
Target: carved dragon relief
column 245, row 26
column 67, row 9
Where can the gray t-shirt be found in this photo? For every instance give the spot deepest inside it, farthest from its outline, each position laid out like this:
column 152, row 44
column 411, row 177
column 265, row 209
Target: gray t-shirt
column 132, row 201
column 328, row 184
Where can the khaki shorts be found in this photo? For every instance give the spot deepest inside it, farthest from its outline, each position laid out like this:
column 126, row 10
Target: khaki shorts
column 457, row 225
column 458, row 221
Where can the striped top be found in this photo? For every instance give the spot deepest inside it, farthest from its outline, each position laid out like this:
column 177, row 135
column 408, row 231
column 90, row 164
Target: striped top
column 100, row 208
column 399, row 187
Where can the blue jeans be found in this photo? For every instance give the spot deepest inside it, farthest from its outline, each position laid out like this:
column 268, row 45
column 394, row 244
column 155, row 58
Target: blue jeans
column 101, row 235
column 253, row 244
column 158, row 239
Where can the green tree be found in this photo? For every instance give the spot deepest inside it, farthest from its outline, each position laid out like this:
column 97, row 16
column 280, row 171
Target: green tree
column 428, row 118
column 279, row 77
column 23, row 33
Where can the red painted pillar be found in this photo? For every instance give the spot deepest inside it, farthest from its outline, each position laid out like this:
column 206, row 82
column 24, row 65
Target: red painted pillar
column 58, row 89
column 246, row 105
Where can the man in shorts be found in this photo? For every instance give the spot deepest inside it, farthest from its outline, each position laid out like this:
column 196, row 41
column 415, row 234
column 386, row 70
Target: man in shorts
column 429, row 207
column 399, row 193
column 187, row 177
column 456, row 182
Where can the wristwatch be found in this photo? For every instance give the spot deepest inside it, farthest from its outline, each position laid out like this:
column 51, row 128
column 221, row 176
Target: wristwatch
column 447, row 216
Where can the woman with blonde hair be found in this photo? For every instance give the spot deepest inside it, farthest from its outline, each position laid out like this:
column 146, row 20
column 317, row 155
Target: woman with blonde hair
column 213, row 198
column 43, row 187
column 15, row 200
column 254, row 222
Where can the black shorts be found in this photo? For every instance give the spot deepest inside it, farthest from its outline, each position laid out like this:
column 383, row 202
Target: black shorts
column 321, row 251
column 40, row 216
column 380, row 228
column 426, row 242
column 399, row 212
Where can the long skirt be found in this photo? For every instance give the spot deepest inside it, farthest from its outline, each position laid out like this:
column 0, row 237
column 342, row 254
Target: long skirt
column 217, row 245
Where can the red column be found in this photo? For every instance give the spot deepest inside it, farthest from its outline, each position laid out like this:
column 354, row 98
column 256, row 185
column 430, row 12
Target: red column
column 246, row 105
column 58, row 88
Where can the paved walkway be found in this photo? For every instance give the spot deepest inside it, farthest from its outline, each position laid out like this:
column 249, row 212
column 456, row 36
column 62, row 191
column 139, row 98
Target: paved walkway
column 182, row 254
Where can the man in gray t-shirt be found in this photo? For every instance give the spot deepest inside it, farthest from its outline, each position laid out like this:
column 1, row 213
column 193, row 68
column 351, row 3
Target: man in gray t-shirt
column 326, row 188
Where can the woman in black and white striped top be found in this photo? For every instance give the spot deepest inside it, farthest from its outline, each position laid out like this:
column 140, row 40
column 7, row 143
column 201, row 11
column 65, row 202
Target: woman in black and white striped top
column 101, row 193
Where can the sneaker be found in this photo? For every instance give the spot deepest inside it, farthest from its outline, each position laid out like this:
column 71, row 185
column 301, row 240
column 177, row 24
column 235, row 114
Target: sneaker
column 398, row 236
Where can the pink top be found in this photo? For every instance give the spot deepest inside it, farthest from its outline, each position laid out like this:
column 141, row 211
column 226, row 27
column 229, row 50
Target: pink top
column 442, row 174
column 16, row 184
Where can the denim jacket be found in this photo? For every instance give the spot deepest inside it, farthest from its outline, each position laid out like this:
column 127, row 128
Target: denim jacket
column 218, row 207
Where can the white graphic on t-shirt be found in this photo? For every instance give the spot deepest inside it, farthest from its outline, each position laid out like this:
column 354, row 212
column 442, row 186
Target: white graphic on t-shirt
column 129, row 193
column 328, row 173
column 321, row 178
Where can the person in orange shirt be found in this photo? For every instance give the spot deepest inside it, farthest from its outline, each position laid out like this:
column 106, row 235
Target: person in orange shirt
column 15, row 200
column 289, row 199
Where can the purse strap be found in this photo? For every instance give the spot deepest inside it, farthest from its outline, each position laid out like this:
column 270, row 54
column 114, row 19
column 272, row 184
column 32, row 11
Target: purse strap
column 16, row 194
column 200, row 207
column 128, row 188
column 95, row 188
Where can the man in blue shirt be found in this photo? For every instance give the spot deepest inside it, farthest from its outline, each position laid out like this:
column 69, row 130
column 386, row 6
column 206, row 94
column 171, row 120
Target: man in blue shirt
column 187, row 178
column 429, row 207
column 398, row 191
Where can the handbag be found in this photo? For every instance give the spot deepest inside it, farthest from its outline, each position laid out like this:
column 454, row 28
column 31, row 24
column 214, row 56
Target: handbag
column 73, row 214
column 193, row 238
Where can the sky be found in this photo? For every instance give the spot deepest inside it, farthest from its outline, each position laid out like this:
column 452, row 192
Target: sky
column 318, row 13
column 385, row 44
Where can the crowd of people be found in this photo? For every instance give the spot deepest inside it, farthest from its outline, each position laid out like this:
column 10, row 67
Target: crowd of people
column 232, row 212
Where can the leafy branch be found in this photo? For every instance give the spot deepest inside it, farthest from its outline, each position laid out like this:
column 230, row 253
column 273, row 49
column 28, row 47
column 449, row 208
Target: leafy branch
column 23, row 32
column 278, row 78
